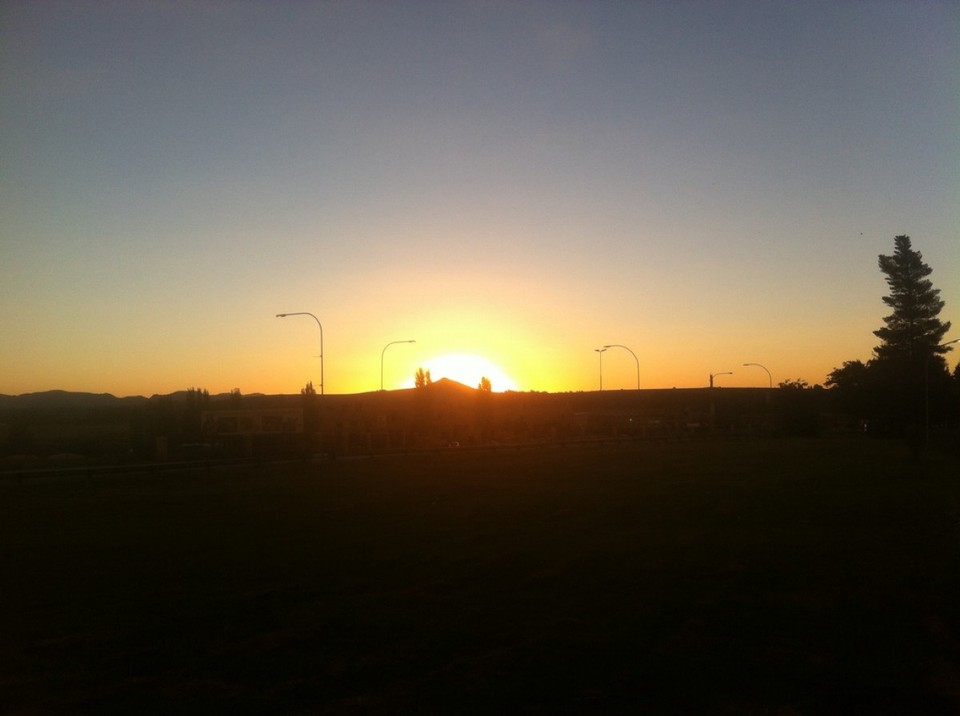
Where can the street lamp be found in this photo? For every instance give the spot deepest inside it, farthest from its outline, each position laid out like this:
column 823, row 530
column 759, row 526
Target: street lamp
column 600, row 351
column 769, row 377
column 926, row 388
column 714, row 375
column 617, row 345
column 381, row 358
column 304, row 313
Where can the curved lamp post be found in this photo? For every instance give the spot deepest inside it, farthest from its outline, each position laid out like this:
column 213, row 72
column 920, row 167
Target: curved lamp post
column 769, row 377
column 600, row 351
column 618, row 345
column 926, row 389
column 714, row 375
column 304, row 313
column 381, row 358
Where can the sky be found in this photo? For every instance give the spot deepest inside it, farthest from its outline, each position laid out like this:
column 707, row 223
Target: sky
column 701, row 184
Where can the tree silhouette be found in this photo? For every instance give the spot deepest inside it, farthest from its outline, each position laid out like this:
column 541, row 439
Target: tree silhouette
column 852, row 375
column 195, row 402
column 913, row 331
column 854, row 383
column 485, row 386
column 421, row 379
column 909, row 362
column 311, row 415
column 906, row 384
column 907, row 379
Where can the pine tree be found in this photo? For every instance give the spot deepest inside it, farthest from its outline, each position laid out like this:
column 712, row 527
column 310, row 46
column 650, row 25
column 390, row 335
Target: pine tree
column 906, row 385
column 913, row 332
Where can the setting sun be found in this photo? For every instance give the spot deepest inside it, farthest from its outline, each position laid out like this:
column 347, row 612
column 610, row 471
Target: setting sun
column 468, row 370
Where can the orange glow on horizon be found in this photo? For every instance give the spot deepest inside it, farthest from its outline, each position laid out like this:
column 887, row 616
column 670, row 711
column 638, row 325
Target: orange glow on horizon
column 468, row 370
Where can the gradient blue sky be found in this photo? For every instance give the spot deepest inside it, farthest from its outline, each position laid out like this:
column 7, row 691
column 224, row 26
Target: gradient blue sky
column 707, row 183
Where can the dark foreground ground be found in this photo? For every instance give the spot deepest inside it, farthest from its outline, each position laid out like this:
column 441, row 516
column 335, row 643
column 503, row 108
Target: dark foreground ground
column 760, row 577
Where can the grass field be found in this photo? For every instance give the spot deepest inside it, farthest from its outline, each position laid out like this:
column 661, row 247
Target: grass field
column 752, row 577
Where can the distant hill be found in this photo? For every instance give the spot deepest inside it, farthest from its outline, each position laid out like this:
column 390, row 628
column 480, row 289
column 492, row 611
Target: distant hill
column 59, row 400
column 53, row 399
column 65, row 399
column 447, row 386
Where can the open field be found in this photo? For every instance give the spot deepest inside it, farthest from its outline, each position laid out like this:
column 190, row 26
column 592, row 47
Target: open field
column 747, row 577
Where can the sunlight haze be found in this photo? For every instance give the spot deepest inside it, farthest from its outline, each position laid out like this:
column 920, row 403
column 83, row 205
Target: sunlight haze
column 706, row 183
